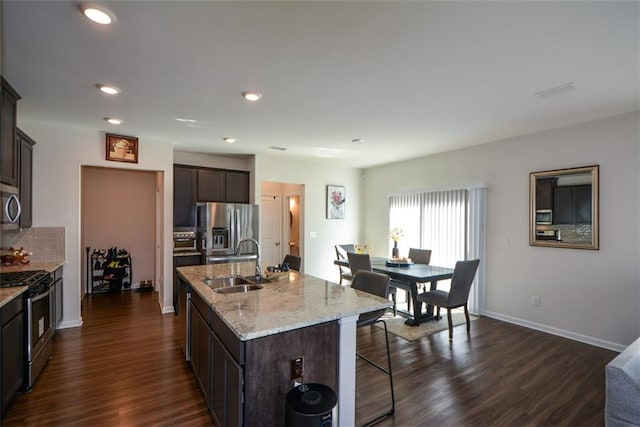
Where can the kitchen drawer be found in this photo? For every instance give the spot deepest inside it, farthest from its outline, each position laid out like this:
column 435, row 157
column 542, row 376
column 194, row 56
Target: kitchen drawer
column 12, row 308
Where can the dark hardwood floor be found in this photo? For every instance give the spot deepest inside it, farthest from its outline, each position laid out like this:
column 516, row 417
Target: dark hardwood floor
column 124, row 367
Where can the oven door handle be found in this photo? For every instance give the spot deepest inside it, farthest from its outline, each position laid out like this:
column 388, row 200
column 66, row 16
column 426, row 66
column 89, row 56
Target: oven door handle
column 40, row 296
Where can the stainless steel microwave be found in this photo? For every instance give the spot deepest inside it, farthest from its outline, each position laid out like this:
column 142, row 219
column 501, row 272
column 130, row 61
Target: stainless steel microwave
column 11, row 208
column 544, row 216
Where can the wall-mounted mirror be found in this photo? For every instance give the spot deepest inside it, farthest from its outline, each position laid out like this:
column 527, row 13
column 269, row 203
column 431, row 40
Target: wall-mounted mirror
column 563, row 208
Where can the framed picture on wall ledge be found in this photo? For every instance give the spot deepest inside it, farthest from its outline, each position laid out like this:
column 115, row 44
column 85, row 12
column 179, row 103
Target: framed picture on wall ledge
column 335, row 202
column 121, row 148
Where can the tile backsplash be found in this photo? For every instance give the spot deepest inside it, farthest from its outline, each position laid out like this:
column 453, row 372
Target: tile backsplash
column 45, row 243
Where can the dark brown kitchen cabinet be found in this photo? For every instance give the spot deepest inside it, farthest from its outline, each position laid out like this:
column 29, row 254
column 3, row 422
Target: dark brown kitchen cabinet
column 9, row 146
column 200, row 346
column 25, row 182
column 241, row 391
column 185, row 181
column 211, row 185
column 56, row 299
column 181, row 260
column 572, row 204
column 192, row 184
column 544, row 193
column 226, row 390
column 237, row 187
column 12, row 349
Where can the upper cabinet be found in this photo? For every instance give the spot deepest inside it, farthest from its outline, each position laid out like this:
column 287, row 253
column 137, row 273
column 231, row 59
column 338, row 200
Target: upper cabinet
column 185, row 184
column 211, row 185
column 237, row 187
column 572, row 204
column 544, row 193
column 9, row 148
column 194, row 184
column 25, row 182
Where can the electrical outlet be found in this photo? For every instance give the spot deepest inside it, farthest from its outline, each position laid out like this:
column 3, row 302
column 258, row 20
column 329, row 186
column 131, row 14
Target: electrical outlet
column 535, row 301
column 297, row 369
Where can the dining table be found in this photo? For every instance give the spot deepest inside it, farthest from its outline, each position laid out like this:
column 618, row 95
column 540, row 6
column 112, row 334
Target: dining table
column 410, row 274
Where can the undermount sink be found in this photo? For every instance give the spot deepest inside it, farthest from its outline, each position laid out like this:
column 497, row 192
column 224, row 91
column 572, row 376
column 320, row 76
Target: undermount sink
column 237, row 288
column 224, row 282
column 235, row 284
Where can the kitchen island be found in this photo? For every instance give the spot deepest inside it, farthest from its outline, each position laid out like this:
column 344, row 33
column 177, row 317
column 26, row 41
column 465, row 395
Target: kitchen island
column 252, row 337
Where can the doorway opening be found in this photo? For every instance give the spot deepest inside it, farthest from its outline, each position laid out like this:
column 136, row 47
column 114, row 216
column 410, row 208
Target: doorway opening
column 282, row 222
column 119, row 213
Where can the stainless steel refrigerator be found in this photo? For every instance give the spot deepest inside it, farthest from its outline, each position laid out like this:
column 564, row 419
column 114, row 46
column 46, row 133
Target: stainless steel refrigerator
column 221, row 226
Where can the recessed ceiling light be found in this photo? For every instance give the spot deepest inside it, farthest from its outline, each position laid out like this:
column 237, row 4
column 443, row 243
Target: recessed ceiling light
column 229, row 140
column 113, row 120
column 250, row 95
column 98, row 14
column 357, row 140
column 110, row 90
column 186, row 120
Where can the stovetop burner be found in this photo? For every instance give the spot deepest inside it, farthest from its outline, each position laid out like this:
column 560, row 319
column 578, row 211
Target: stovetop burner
column 37, row 280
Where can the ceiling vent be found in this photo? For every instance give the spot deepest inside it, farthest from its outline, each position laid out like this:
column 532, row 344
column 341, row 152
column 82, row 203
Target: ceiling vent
column 558, row 90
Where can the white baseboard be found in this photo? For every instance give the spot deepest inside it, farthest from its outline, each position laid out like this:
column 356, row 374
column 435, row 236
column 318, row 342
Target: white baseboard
column 70, row 324
column 555, row 331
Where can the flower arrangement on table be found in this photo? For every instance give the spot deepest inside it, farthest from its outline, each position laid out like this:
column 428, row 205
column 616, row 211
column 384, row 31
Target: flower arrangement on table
column 396, row 234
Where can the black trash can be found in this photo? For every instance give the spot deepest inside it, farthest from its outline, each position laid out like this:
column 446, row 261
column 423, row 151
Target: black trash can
column 310, row 405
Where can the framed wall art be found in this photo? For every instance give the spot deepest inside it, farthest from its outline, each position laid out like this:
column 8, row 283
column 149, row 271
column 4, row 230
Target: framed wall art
column 121, row 148
column 335, row 202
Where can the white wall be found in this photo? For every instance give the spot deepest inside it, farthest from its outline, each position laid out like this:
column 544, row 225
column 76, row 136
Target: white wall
column 59, row 153
column 319, row 252
column 591, row 296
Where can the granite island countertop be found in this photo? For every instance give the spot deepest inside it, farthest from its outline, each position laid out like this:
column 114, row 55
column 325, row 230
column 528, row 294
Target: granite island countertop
column 281, row 306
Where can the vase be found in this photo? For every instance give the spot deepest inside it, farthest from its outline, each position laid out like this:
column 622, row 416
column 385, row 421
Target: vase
column 395, row 252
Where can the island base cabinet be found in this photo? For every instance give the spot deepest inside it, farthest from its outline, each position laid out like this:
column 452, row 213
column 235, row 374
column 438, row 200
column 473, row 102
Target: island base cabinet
column 227, row 386
column 267, row 369
column 200, row 361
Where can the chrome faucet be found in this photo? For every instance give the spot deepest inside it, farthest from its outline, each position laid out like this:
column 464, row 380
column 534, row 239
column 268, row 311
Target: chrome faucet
column 255, row 242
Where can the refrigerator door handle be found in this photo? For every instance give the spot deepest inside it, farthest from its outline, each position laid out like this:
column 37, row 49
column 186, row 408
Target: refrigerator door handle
column 233, row 235
column 238, row 228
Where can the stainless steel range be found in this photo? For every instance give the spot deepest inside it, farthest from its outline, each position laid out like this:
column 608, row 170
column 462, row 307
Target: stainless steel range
column 39, row 330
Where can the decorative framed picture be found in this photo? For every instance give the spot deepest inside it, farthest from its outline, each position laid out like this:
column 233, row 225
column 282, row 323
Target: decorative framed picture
column 122, row 148
column 335, row 202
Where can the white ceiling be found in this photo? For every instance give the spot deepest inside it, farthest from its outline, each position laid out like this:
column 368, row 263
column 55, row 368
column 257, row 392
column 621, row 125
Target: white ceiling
column 410, row 78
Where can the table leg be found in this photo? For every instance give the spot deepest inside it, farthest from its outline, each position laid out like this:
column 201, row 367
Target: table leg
column 417, row 306
column 418, row 316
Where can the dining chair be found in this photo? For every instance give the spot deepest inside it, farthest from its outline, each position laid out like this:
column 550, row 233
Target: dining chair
column 417, row 256
column 363, row 262
column 420, row 256
column 294, row 261
column 376, row 284
column 458, row 294
column 341, row 254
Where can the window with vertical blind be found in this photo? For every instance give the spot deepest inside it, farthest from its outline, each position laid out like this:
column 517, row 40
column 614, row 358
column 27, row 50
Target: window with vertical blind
column 434, row 220
column 450, row 223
